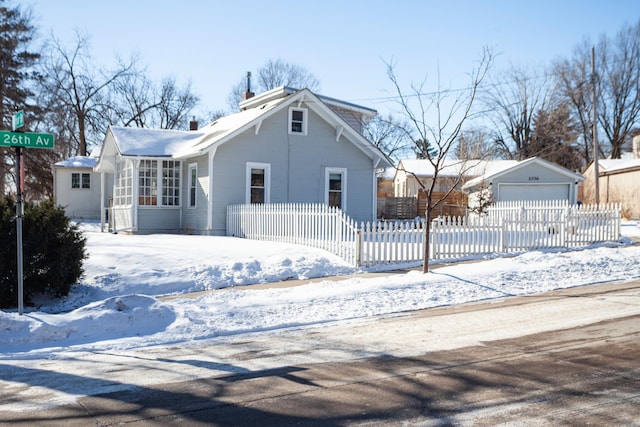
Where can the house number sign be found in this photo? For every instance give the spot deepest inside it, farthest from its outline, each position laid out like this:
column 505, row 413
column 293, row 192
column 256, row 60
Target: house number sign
column 534, row 178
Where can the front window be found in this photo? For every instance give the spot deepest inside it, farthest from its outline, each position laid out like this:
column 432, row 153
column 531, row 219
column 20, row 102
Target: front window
column 258, row 182
column 80, row 180
column 336, row 184
column 170, row 183
column 193, row 184
column 298, row 121
column 159, row 183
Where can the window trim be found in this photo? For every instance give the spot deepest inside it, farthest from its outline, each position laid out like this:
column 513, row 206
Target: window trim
column 163, row 187
column 192, row 187
column 81, row 176
column 305, row 120
column 343, row 196
column 267, row 180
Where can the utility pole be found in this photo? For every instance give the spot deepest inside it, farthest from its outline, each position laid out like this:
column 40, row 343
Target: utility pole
column 596, row 151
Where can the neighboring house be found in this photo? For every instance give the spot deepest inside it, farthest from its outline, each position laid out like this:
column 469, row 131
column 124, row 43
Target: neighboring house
column 76, row 187
column 619, row 182
column 530, row 179
column 284, row 146
column 414, row 174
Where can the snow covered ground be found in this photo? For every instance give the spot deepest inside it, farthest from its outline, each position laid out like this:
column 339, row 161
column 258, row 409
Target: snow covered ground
column 118, row 304
column 122, row 308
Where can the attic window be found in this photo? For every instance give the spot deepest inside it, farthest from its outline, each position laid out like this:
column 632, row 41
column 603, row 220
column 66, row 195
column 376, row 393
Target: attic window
column 298, row 121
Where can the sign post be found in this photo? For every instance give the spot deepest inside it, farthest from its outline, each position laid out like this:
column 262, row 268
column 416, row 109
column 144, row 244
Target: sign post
column 20, row 140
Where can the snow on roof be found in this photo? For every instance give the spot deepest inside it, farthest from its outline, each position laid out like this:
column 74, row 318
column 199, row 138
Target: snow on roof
column 152, row 142
column 469, row 168
column 611, row 165
column 225, row 126
column 87, row 162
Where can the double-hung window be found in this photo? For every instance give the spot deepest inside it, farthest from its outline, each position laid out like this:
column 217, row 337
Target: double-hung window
column 336, row 187
column 258, row 182
column 80, row 180
column 298, row 121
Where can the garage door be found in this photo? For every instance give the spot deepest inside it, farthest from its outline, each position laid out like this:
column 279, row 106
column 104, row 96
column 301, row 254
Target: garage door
column 509, row 192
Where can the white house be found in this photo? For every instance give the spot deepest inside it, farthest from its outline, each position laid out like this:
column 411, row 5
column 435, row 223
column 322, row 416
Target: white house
column 76, row 187
column 530, row 179
column 285, row 146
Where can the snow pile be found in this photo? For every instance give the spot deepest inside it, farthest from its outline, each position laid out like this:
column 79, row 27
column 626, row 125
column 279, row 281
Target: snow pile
column 122, row 303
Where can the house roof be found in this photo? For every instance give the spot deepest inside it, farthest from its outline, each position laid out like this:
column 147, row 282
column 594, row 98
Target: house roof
column 611, row 166
column 423, row 168
column 507, row 168
column 78, row 162
column 184, row 144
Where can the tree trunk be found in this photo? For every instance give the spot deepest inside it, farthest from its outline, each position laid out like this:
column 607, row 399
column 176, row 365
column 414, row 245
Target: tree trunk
column 427, row 236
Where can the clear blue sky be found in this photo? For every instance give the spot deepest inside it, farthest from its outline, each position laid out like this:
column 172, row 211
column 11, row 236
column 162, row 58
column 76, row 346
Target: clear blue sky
column 344, row 43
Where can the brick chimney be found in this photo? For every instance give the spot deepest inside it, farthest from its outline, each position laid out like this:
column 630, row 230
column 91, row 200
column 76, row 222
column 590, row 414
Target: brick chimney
column 193, row 124
column 248, row 94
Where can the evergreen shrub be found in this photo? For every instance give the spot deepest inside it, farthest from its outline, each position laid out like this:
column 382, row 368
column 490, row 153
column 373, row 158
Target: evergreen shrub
column 53, row 252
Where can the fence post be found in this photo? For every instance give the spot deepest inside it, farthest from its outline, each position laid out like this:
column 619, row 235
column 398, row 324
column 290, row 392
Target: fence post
column 359, row 242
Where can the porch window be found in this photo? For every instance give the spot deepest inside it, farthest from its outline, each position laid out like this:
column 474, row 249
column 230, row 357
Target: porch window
column 170, row 183
column 258, row 182
column 298, row 121
column 122, row 195
column 148, row 183
column 193, row 184
column 80, row 180
column 335, row 185
column 159, row 174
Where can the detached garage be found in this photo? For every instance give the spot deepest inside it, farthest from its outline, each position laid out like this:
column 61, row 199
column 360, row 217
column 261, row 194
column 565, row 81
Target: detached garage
column 531, row 179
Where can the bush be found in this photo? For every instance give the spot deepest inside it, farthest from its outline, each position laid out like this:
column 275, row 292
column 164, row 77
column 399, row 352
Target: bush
column 53, row 252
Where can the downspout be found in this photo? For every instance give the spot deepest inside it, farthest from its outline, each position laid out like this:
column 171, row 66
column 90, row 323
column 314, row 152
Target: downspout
column 374, row 207
column 212, row 154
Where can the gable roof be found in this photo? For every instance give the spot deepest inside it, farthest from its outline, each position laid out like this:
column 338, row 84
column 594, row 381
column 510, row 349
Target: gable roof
column 519, row 165
column 423, row 168
column 184, row 144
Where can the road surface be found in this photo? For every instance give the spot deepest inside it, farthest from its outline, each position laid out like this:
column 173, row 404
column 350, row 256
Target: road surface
column 568, row 357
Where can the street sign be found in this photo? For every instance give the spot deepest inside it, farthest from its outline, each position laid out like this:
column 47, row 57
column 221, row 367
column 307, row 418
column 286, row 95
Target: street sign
column 17, row 121
column 26, row 139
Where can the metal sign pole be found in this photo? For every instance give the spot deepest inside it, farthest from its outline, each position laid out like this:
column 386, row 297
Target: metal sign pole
column 19, row 231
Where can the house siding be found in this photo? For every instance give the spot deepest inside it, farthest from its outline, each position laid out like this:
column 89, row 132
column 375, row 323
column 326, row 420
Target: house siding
column 615, row 187
column 81, row 203
column 194, row 220
column 292, row 179
column 158, row 220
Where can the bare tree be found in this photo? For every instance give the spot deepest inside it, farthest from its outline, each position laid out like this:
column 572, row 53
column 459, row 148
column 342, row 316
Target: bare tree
column 138, row 102
column 438, row 126
column 474, row 143
column 512, row 103
column 618, row 62
column 617, row 82
column 389, row 135
column 274, row 73
column 80, row 89
column 573, row 84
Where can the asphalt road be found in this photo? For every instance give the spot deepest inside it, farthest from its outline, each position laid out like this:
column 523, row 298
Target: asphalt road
column 587, row 374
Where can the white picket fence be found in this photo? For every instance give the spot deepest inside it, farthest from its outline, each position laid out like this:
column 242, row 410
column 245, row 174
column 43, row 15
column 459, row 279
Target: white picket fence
column 503, row 229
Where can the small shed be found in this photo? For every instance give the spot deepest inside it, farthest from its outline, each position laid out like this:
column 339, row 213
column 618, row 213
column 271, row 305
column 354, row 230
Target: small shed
column 76, row 187
column 530, row 179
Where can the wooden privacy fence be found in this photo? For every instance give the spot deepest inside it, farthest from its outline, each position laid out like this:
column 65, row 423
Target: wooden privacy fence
column 512, row 229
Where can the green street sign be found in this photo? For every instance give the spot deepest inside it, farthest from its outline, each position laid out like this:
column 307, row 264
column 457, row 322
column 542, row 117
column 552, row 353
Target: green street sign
column 26, row 139
column 17, row 120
